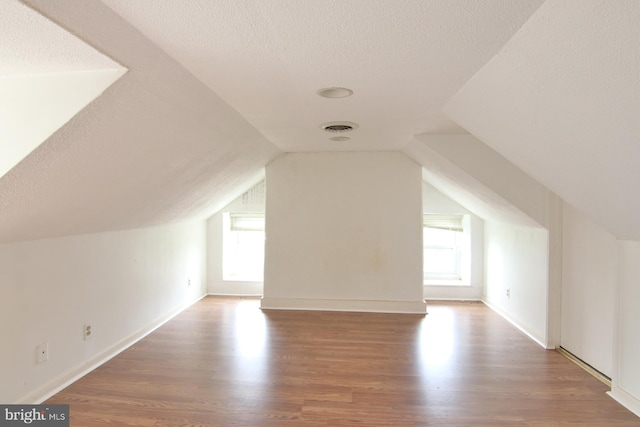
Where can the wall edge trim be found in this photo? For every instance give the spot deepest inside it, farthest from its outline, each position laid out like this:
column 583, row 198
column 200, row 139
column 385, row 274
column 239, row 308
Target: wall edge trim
column 508, row 318
column 625, row 399
column 372, row 306
column 234, row 295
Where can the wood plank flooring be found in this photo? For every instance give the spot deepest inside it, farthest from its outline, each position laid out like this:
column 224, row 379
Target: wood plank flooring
column 224, row 362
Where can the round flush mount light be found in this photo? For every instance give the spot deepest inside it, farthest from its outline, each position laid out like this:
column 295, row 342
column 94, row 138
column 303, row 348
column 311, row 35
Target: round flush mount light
column 335, row 92
column 340, row 138
column 339, row 127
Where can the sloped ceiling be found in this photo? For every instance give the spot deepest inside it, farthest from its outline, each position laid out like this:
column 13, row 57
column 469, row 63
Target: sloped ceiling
column 562, row 101
column 156, row 147
column 34, row 106
column 32, row 44
column 267, row 59
column 44, row 80
column 462, row 186
column 217, row 88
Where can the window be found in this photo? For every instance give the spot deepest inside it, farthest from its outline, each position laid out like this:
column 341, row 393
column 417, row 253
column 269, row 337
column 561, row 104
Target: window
column 445, row 247
column 243, row 251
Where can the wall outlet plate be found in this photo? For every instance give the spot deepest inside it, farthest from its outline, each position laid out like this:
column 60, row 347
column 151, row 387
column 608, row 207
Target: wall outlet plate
column 87, row 331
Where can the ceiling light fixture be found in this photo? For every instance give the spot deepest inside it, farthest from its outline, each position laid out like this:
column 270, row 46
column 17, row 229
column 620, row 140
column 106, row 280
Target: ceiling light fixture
column 340, row 138
column 335, row 92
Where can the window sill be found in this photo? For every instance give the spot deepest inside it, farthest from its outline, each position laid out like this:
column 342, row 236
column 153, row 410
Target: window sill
column 450, row 282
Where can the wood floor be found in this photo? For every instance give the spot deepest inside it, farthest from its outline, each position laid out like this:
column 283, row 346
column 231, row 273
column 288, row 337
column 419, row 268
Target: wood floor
column 224, row 362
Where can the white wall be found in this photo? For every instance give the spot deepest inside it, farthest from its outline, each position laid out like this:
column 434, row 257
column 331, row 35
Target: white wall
column 483, row 181
column 589, row 284
column 122, row 283
column 344, row 232
column 251, row 201
column 516, row 258
column 626, row 384
column 435, row 202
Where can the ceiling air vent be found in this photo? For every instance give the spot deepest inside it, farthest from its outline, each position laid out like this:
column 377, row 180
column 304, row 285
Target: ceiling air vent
column 339, row 127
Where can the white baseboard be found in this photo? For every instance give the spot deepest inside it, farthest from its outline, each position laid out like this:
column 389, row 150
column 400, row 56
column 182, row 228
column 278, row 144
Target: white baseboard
column 232, row 288
column 374, row 306
column 235, row 295
column 625, row 399
column 508, row 318
column 56, row 385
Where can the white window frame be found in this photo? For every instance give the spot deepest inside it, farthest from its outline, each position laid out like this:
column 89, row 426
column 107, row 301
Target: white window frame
column 460, row 225
column 232, row 224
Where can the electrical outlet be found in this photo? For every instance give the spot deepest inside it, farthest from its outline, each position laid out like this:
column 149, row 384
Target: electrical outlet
column 42, row 352
column 188, row 283
column 88, row 332
column 508, row 292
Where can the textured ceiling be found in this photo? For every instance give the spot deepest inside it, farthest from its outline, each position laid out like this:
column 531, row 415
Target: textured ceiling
column 34, row 106
column 474, row 181
column 267, row 59
column 44, row 80
column 217, row 88
column 158, row 146
column 32, row 44
column 562, row 101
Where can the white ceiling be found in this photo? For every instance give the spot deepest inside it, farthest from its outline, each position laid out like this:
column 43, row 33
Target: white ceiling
column 156, row 147
column 562, row 101
column 267, row 59
column 32, row 44
column 445, row 170
column 218, row 88
column 44, row 80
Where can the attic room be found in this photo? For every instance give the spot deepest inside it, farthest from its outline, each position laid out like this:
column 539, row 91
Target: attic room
column 134, row 134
